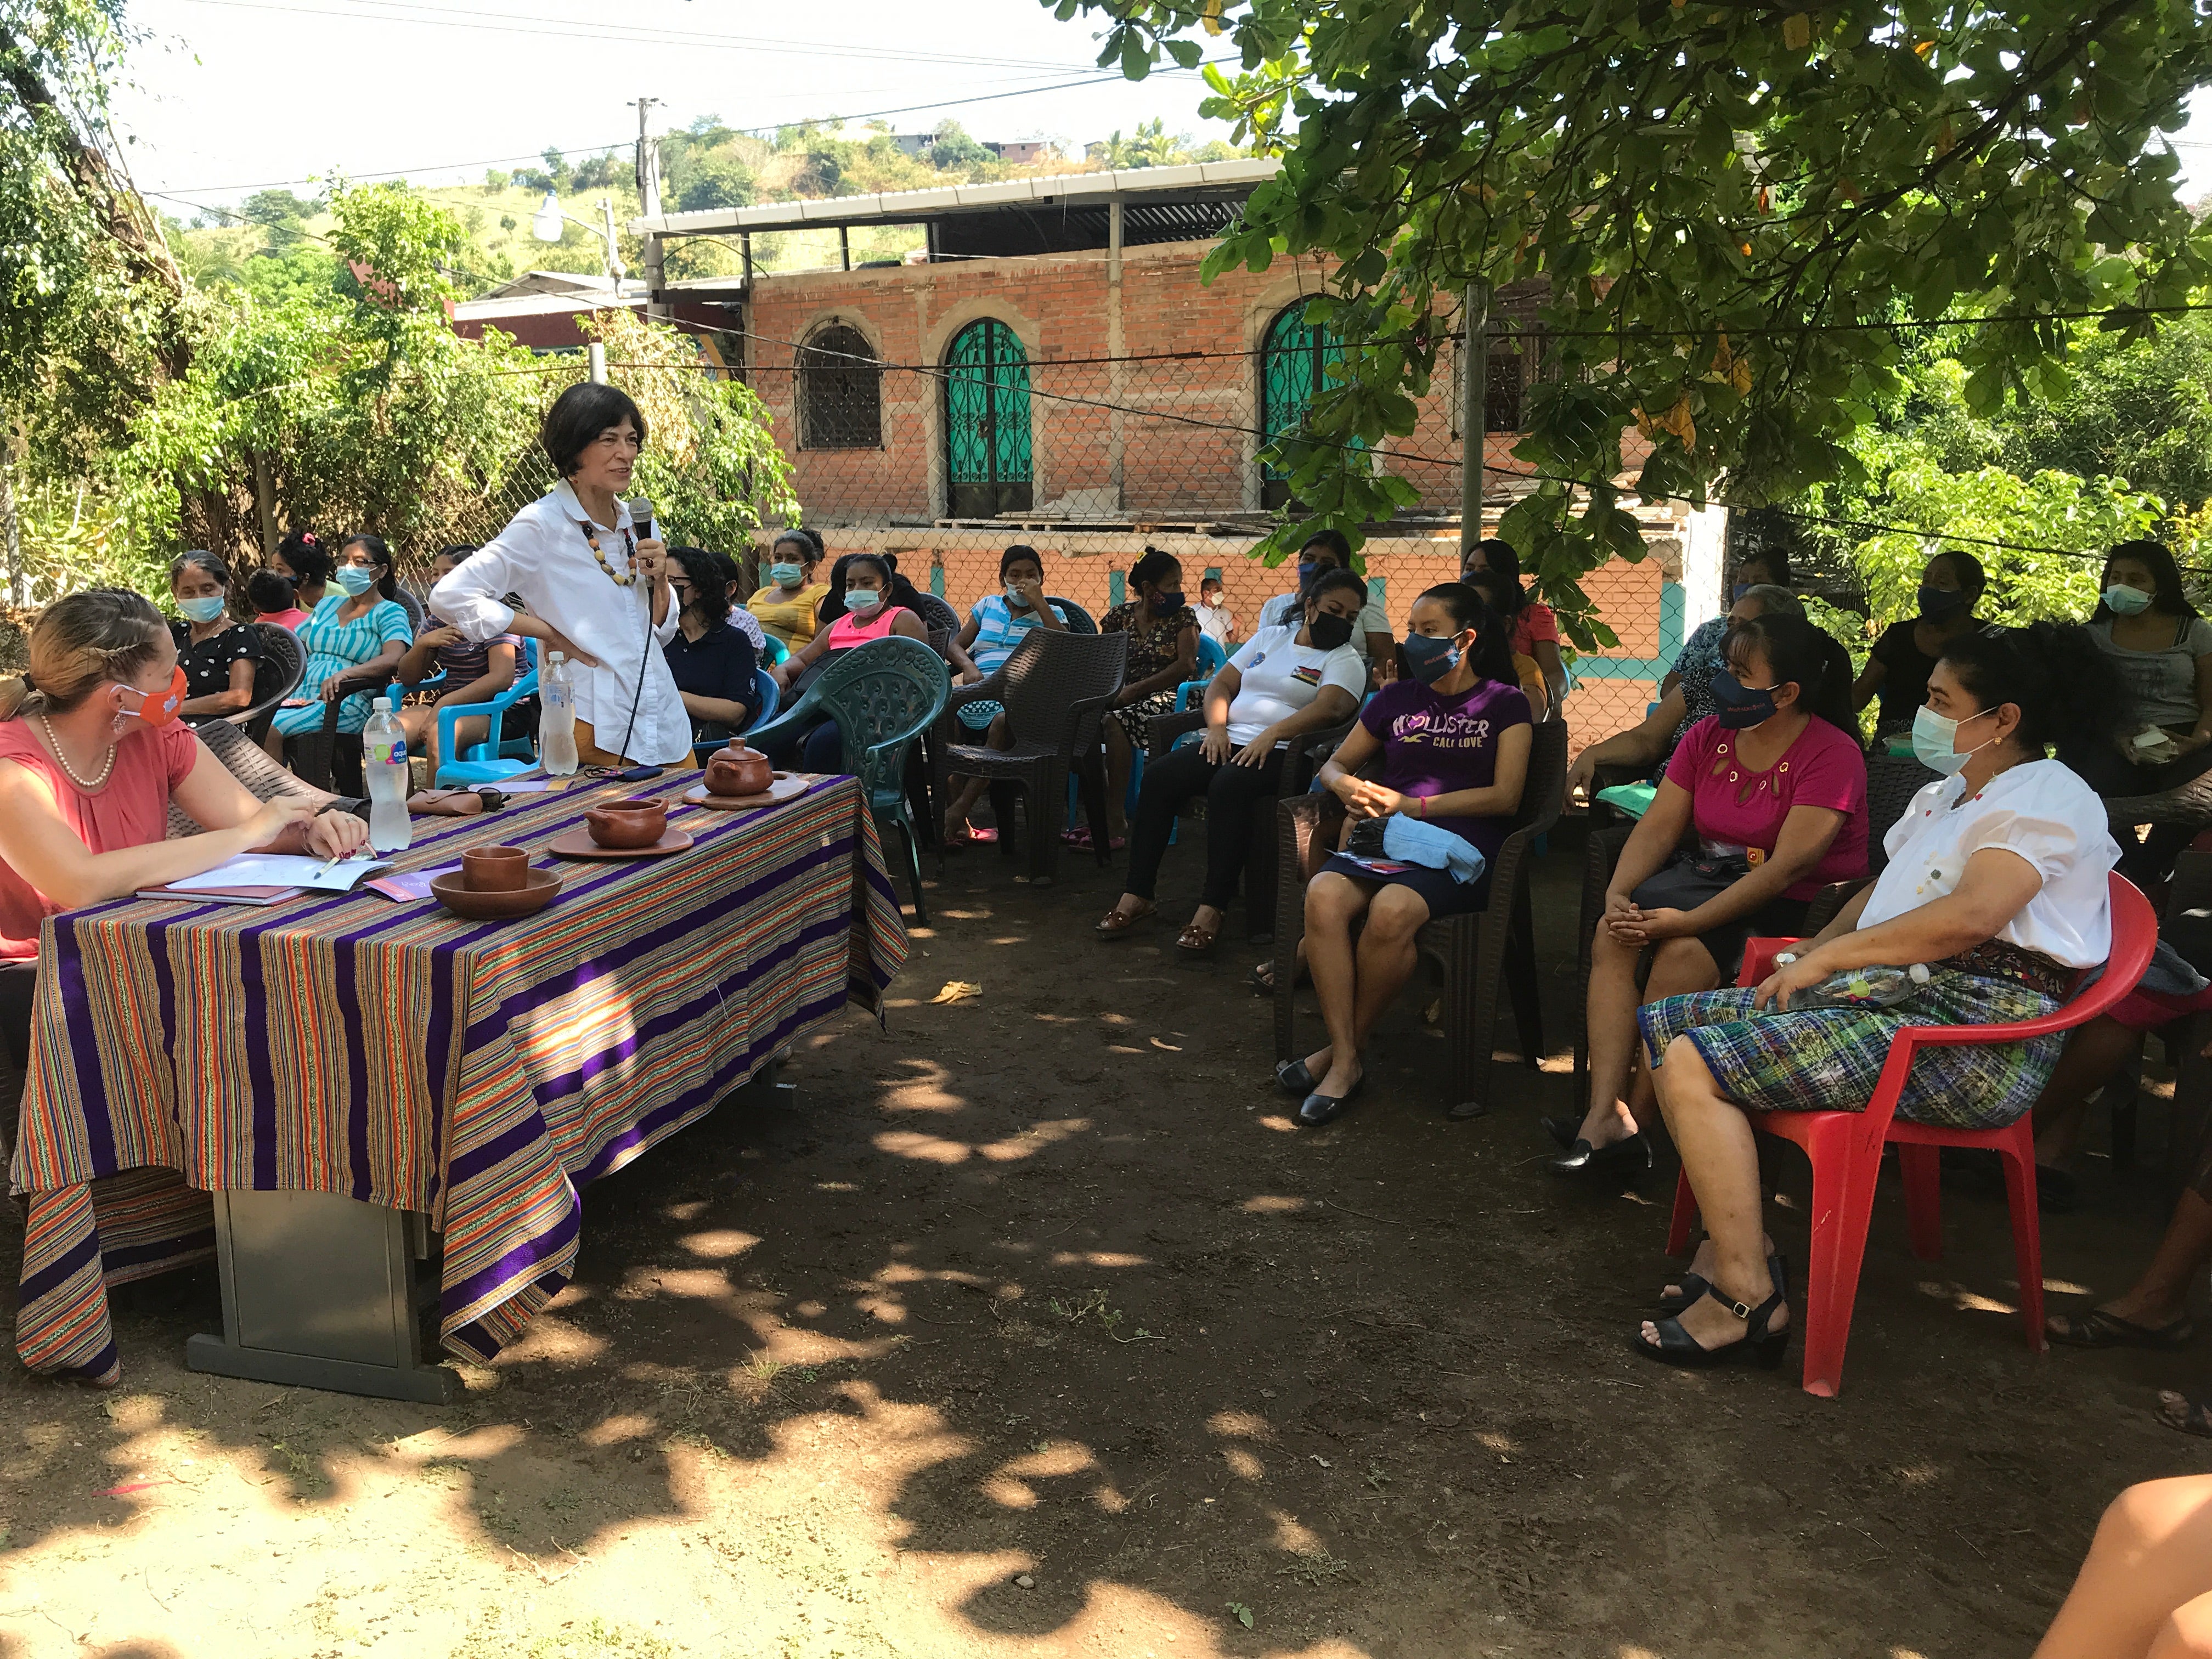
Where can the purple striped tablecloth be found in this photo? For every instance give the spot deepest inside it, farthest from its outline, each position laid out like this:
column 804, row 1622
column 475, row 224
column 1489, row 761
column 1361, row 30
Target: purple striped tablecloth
column 479, row 1072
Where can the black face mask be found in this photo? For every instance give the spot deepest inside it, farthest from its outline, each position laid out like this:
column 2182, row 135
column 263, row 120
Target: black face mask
column 1328, row 630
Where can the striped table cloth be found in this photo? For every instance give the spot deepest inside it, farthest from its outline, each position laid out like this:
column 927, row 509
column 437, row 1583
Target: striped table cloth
column 478, row 1073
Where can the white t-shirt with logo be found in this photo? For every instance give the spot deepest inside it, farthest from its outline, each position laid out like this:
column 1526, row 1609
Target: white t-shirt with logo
column 1281, row 678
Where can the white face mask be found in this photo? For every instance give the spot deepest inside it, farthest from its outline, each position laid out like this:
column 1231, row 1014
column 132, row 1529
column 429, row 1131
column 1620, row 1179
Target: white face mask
column 1936, row 739
column 862, row 600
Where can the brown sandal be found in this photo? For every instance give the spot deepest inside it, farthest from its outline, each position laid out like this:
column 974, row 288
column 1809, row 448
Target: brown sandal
column 1195, row 940
column 1115, row 922
column 2178, row 1410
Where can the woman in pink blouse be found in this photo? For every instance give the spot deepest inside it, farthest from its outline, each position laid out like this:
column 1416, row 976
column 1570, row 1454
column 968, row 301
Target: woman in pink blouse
column 1763, row 804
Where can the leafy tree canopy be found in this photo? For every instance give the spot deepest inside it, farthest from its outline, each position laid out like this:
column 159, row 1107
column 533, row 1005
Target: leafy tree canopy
column 1712, row 196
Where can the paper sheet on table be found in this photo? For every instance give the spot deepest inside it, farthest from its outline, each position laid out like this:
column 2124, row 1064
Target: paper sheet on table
column 285, row 870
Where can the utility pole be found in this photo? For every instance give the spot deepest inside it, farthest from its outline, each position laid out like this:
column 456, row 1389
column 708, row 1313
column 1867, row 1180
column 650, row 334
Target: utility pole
column 1475, row 387
column 616, row 272
column 648, row 200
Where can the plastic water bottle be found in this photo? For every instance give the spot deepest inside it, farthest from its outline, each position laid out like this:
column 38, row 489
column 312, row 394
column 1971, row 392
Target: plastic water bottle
column 384, row 759
column 556, row 718
column 1859, row 988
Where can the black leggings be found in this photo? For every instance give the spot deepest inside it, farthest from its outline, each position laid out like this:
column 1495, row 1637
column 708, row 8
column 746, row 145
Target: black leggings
column 1230, row 793
column 19, row 989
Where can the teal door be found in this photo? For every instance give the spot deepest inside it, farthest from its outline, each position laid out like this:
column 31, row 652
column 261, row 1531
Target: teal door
column 987, row 462
column 1294, row 358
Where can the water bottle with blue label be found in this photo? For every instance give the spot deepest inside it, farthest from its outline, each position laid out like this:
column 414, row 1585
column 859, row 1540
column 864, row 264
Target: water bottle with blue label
column 384, row 763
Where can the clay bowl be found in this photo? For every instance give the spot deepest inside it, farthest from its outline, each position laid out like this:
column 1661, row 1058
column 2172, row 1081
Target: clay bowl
column 495, row 869
column 471, row 904
column 738, row 770
column 620, row 824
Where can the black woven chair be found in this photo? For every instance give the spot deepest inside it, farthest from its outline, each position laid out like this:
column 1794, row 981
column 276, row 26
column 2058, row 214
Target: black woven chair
column 283, row 662
column 1079, row 621
column 1054, row 688
column 413, row 607
column 1473, row 950
column 936, row 614
column 1261, row 864
column 249, row 762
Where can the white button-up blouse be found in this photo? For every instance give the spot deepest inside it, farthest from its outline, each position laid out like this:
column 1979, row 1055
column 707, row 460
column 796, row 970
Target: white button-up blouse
column 543, row 558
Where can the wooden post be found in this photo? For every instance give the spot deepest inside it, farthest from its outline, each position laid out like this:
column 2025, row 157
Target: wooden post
column 264, row 504
column 1116, row 349
column 845, row 246
column 1475, row 364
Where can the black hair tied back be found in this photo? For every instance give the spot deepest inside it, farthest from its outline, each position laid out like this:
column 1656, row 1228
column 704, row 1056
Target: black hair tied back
column 2065, row 687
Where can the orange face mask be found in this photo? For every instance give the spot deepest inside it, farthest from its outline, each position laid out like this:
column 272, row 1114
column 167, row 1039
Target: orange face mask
column 158, row 708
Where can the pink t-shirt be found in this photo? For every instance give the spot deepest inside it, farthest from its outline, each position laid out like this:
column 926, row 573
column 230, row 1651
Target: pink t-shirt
column 849, row 629
column 1534, row 622
column 131, row 809
column 289, row 620
column 1732, row 806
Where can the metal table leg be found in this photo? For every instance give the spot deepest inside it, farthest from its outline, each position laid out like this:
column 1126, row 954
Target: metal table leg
column 319, row 1291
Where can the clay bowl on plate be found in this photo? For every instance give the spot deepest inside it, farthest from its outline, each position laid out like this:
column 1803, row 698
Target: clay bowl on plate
column 472, row 904
column 619, row 824
column 495, row 869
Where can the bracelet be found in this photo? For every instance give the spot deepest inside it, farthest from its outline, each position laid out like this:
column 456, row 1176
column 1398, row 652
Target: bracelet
column 1421, row 811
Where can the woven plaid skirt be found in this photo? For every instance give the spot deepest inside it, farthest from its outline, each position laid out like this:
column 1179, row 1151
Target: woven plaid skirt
column 1828, row 1060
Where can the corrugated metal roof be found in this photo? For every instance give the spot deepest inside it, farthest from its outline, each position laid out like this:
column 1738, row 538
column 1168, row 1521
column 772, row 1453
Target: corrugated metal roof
column 913, row 206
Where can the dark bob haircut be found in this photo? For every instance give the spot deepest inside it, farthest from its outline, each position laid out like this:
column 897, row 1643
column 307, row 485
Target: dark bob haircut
column 578, row 416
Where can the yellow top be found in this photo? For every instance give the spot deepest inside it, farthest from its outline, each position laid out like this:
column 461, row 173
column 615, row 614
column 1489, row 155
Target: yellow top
column 789, row 617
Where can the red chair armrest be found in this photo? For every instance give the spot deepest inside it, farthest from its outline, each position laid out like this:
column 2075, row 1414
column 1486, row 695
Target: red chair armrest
column 1758, row 955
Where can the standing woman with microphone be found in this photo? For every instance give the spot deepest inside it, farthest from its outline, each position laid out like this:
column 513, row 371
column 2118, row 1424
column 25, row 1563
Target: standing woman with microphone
column 596, row 586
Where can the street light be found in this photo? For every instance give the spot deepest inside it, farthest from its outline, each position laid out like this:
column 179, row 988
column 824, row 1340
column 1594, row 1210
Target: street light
column 545, row 227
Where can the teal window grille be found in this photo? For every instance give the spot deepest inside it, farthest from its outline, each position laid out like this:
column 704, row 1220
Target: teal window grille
column 1294, row 360
column 989, row 463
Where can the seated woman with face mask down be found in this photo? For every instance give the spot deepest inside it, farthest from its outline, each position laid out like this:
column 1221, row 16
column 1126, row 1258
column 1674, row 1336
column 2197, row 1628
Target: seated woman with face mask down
column 1453, row 733
column 91, row 755
column 1997, row 883
column 1282, row 684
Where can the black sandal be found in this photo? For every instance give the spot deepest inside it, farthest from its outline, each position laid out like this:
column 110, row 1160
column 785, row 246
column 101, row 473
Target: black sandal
column 1762, row 1346
column 2194, row 1416
column 1694, row 1285
column 2099, row 1329
column 1292, row 1078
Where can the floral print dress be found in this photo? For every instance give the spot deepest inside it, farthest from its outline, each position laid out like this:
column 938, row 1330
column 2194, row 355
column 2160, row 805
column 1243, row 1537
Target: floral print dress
column 1152, row 647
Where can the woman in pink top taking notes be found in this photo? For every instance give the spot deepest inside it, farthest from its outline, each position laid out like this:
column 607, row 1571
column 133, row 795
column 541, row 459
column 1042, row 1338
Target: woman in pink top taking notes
column 1762, row 804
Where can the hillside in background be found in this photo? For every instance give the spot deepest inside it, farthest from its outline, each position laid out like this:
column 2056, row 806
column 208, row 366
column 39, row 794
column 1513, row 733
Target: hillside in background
column 274, row 246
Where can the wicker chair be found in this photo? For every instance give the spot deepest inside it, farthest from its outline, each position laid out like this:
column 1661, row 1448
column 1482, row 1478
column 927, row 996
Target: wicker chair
column 1054, row 687
column 936, row 614
column 1261, row 859
column 1892, row 782
column 1473, row 950
column 249, row 762
column 283, row 662
column 416, row 614
column 1079, row 621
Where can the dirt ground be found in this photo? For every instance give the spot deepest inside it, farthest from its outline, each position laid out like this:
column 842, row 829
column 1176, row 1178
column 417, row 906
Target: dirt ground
column 1031, row 1326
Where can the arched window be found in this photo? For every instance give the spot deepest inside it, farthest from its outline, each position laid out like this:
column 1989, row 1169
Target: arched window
column 987, row 462
column 841, row 392
column 1294, row 355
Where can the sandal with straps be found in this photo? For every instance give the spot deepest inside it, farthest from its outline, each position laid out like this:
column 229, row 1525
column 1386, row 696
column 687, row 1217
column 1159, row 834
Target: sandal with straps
column 1693, row 1285
column 1117, row 922
column 1758, row 1345
column 1195, row 940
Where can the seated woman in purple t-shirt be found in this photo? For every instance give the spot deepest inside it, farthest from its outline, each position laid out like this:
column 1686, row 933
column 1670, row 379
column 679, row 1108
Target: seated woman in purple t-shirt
column 1453, row 733
column 1763, row 804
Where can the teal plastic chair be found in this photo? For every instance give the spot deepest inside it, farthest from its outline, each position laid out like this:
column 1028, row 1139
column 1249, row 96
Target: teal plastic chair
column 492, row 761
column 776, row 650
column 765, row 693
column 883, row 695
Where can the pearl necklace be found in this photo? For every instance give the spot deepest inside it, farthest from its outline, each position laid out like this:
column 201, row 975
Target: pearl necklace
column 62, row 755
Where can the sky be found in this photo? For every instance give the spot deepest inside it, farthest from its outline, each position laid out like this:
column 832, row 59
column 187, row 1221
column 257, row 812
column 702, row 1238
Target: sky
column 235, row 95
column 232, row 95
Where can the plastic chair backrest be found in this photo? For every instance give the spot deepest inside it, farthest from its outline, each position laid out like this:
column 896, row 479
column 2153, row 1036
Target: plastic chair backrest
column 766, row 691
column 776, row 649
column 1049, row 672
column 1892, row 782
column 283, row 661
column 1079, row 621
column 1212, row 656
column 1543, row 790
column 413, row 607
column 882, row 694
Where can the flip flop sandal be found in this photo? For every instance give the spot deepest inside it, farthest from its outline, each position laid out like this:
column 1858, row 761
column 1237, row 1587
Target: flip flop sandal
column 1197, row 940
column 2099, row 1329
column 2195, row 1416
column 1114, row 924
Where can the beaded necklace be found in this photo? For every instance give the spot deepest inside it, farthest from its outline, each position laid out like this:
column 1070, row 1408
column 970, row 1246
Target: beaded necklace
column 629, row 552
column 62, row 755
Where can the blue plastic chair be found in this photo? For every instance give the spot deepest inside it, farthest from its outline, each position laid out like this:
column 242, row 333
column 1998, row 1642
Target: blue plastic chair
column 495, row 760
column 776, row 651
column 882, row 694
column 1212, row 659
column 765, row 693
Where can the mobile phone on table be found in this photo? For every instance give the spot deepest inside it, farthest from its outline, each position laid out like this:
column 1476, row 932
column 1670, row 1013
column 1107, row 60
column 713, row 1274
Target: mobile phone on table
column 639, row 773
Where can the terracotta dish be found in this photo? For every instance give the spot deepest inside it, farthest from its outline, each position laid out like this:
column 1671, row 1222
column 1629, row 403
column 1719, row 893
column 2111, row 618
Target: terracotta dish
column 784, row 786
column 737, row 770
column 622, row 824
column 543, row 887
column 577, row 845
column 495, row 869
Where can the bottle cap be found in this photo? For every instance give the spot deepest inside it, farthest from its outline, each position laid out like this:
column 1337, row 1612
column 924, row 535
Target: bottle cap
column 557, row 656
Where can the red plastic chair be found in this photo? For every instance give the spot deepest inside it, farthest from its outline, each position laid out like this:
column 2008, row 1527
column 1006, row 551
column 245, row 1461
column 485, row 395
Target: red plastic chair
column 1845, row 1150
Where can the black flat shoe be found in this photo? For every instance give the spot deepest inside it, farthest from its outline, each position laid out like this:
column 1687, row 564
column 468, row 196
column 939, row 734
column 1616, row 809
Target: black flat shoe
column 1564, row 1130
column 1761, row 1346
column 1317, row 1109
column 1292, row 1078
column 1623, row 1160
column 1694, row 1285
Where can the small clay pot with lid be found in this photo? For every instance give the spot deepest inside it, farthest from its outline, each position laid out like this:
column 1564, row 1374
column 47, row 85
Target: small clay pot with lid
column 636, row 822
column 737, row 770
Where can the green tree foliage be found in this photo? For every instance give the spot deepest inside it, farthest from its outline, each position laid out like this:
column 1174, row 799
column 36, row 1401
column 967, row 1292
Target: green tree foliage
column 1153, row 146
column 950, row 148
column 1706, row 192
column 718, row 179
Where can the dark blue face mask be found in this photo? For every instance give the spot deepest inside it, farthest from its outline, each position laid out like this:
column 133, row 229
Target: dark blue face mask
column 1937, row 603
column 1741, row 707
column 1428, row 658
column 1307, row 569
column 1168, row 600
column 1740, row 589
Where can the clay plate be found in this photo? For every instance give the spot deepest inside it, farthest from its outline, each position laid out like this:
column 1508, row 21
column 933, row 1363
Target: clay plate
column 787, row 785
column 541, row 889
column 578, row 844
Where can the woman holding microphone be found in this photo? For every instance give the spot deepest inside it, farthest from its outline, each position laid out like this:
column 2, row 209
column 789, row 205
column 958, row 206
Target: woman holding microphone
column 594, row 589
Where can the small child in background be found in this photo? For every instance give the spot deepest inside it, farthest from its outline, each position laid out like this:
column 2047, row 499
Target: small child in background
column 273, row 600
column 474, row 672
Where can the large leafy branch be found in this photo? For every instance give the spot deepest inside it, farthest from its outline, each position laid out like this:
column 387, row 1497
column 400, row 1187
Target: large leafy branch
column 1721, row 206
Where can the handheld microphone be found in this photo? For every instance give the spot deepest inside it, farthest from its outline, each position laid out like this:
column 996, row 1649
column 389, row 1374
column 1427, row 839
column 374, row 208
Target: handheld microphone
column 641, row 517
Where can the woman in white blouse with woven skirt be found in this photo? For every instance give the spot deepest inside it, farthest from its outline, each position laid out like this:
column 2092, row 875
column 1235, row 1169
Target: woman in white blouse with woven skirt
column 593, row 589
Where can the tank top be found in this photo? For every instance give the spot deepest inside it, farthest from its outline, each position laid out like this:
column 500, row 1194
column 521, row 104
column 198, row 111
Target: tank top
column 848, row 630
